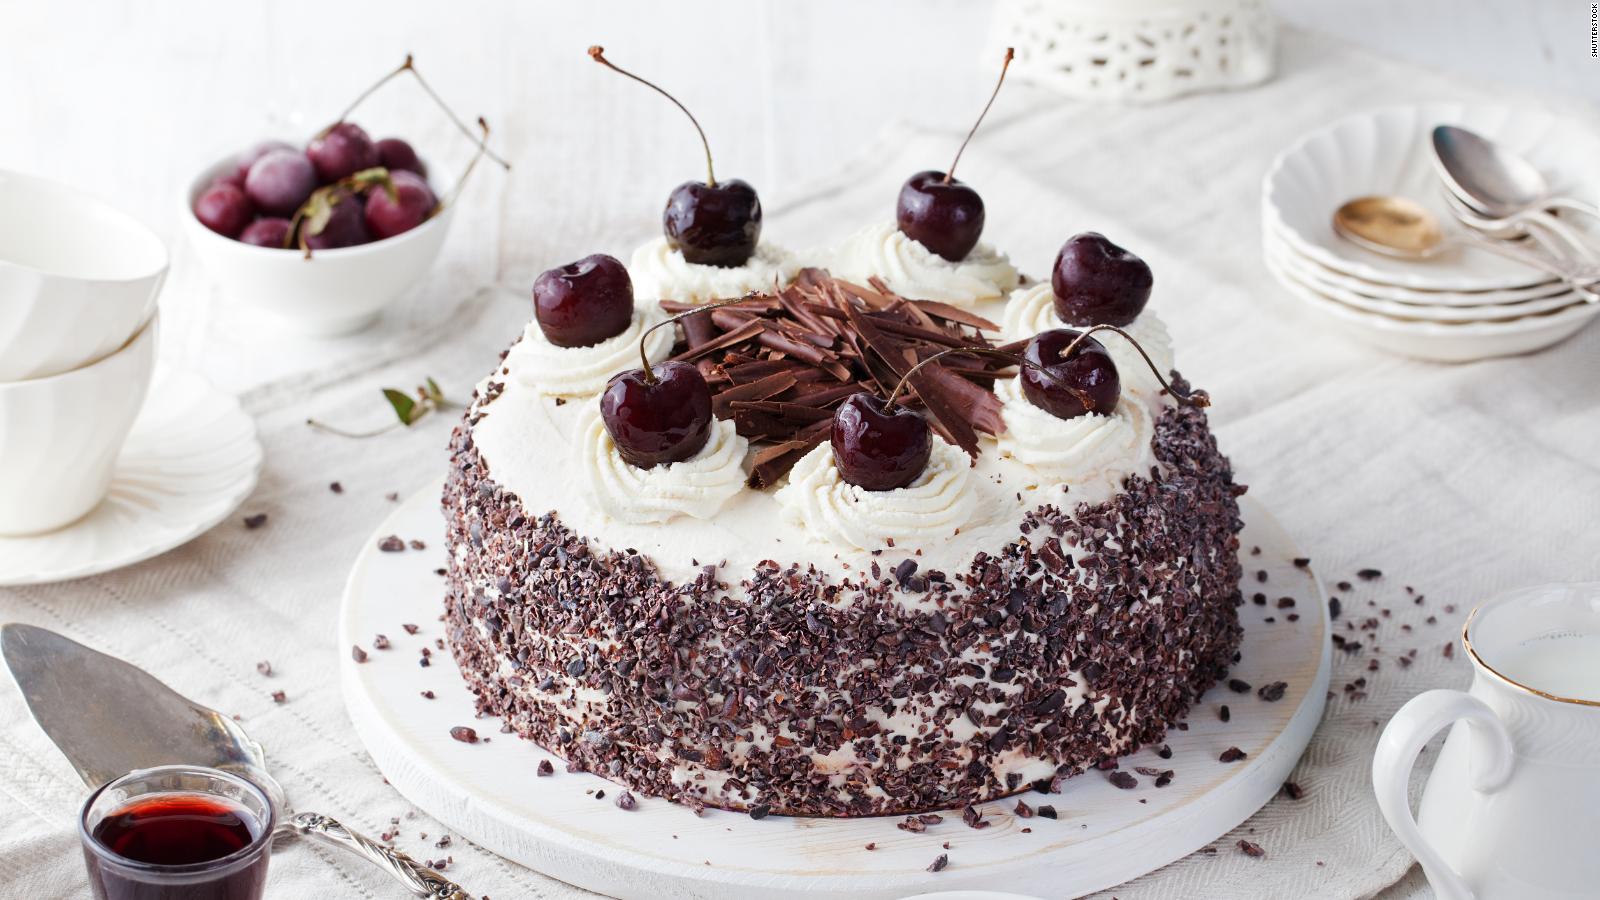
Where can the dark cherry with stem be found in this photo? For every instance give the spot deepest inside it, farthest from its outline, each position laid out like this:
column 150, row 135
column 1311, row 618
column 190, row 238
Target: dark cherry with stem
column 879, row 446
column 659, row 413
column 1095, row 282
column 583, row 303
column 939, row 212
column 711, row 223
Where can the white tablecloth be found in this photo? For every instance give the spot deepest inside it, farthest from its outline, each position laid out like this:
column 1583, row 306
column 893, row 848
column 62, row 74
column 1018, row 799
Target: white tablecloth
column 1458, row 480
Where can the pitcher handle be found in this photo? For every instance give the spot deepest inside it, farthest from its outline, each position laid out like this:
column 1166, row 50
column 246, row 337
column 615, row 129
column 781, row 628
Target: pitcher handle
column 1489, row 765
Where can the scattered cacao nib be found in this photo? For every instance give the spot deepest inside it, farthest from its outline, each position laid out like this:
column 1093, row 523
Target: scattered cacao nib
column 625, row 800
column 545, row 768
column 1285, row 602
column 1164, row 779
column 1046, row 811
column 255, row 521
column 872, row 845
column 973, row 818
column 427, row 695
column 1293, row 790
column 1251, row 849
column 279, row 697
column 392, row 496
column 416, row 544
column 1334, row 607
column 380, row 642
column 1165, row 752
column 1450, row 651
column 265, row 668
column 336, row 487
column 358, row 654
column 410, row 629
column 760, row 811
column 1345, row 586
column 464, row 734
column 1261, row 574
column 1223, row 714
column 1238, row 685
column 600, row 794
column 1232, row 754
column 1123, row 780
column 939, row 862
column 1273, row 692
column 1302, row 562
column 1369, row 574
column 1022, row 810
column 392, row 544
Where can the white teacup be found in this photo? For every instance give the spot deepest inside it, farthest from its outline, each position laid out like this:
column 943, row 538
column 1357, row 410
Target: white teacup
column 77, row 277
column 59, row 436
column 1512, row 809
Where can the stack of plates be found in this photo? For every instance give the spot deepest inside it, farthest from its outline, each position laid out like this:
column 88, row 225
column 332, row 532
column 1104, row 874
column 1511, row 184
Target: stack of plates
column 1462, row 304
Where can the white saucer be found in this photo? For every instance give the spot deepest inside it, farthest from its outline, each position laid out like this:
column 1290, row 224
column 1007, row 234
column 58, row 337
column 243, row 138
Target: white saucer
column 1311, row 275
column 488, row 792
column 1389, row 151
column 190, row 460
column 1441, row 341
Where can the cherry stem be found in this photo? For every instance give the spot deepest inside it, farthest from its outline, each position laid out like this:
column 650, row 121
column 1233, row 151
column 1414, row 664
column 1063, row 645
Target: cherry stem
column 409, row 66
column 598, row 54
column 1195, row 398
column 1010, row 53
column 650, row 376
column 1082, row 396
column 358, row 435
column 461, row 183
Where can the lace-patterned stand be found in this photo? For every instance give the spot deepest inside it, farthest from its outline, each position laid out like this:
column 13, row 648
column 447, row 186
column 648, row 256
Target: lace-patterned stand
column 558, row 825
column 1138, row 50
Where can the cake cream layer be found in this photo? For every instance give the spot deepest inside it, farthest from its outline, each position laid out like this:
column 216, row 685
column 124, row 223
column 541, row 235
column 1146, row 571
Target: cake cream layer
column 527, row 438
column 1061, row 633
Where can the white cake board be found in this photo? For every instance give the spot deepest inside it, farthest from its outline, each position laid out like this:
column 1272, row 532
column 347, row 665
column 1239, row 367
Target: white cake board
column 488, row 792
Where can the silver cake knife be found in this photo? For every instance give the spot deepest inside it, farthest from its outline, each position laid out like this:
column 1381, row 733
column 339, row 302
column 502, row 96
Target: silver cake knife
column 109, row 717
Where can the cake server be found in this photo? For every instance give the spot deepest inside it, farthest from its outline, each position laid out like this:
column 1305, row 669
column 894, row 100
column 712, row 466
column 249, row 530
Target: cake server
column 109, row 717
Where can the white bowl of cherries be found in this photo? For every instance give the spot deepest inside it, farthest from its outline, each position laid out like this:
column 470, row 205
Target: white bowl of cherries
column 322, row 238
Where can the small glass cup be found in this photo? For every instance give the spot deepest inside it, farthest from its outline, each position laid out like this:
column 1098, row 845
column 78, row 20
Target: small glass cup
column 177, row 833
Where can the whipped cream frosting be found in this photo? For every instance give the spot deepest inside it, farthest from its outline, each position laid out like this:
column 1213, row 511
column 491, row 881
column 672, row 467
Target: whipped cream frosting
column 696, row 487
column 831, row 510
column 660, row 272
column 912, row 270
column 583, row 371
column 1091, row 451
column 1031, row 310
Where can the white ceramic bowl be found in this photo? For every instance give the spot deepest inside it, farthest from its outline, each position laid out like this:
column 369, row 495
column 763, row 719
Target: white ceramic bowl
column 333, row 292
column 77, row 277
column 59, row 436
column 1389, row 151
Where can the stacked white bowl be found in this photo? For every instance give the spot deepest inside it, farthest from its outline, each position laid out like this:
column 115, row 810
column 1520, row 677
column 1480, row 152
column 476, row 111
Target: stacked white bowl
column 1461, row 304
column 78, row 285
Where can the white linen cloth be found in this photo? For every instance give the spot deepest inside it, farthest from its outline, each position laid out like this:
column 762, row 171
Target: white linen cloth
column 1458, row 480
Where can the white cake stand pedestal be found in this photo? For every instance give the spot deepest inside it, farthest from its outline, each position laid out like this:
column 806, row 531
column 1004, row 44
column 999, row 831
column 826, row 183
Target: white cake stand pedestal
column 488, row 792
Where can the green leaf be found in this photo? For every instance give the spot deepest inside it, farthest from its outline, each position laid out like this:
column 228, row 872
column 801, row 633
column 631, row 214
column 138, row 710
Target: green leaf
column 434, row 393
column 405, row 408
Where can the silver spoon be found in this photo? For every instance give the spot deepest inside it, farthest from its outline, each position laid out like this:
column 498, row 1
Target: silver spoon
column 1404, row 229
column 1495, row 181
column 1498, row 184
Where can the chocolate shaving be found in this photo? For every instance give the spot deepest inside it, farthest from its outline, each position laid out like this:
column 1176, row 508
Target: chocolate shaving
column 779, row 363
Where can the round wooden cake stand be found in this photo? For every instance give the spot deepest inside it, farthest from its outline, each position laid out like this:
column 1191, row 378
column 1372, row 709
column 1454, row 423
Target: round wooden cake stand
column 488, row 792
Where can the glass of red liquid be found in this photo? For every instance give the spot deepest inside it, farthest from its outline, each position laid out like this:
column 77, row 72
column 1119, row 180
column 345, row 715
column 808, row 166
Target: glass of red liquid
column 177, row 833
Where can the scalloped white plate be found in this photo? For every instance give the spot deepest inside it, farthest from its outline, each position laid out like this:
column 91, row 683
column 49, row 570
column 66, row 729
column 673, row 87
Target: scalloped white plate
column 1389, row 151
column 1441, row 341
column 1311, row 275
column 488, row 793
column 190, row 460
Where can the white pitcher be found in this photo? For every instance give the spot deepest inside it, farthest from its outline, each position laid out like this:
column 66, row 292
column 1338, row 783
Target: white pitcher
column 1512, row 809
